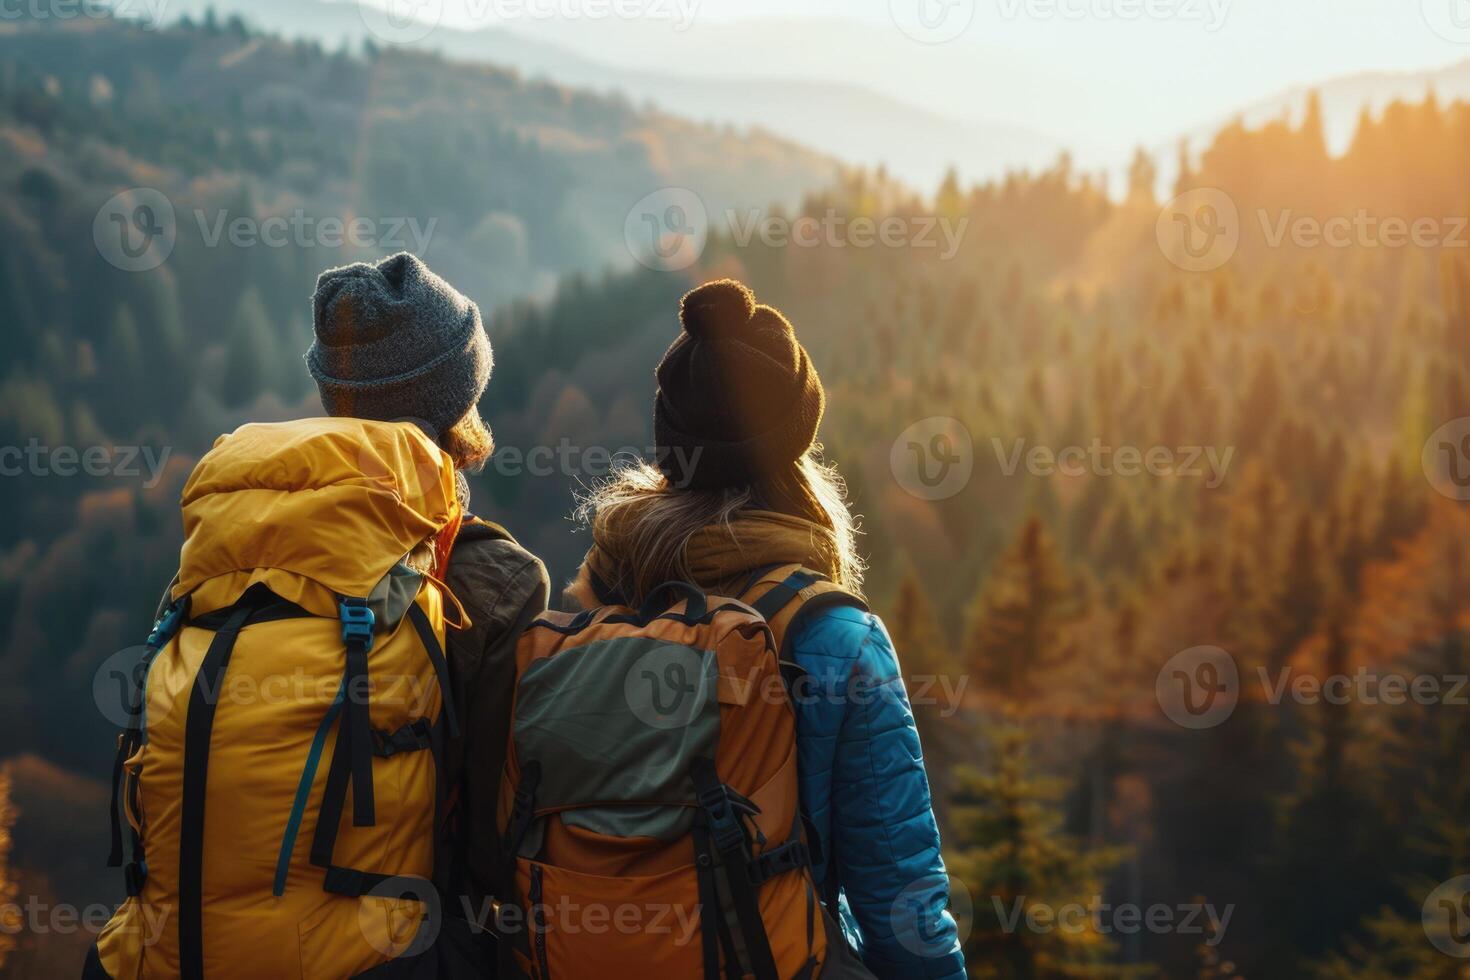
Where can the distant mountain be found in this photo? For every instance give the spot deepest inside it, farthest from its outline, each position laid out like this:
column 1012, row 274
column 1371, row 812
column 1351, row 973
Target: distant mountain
column 858, row 125
column 1345, row 98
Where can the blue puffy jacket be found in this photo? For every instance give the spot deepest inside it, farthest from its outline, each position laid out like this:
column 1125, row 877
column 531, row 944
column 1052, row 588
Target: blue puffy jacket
column 863, row 785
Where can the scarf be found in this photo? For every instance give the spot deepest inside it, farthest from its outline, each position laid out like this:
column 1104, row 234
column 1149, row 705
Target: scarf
column 722, row 556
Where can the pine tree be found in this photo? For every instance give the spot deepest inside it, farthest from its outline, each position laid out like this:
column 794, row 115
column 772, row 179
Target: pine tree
column 1019, row 866
column 950, row 202
column 251, row 356
column 1017, row 630
column 931, row 668
column 1300, row 598
column 1332, row 834
column 123, row 381
column 1313, row 137
column 1143, row 177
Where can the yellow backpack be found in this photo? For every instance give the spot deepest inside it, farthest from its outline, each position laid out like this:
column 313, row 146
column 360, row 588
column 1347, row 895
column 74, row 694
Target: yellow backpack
column 279, row 780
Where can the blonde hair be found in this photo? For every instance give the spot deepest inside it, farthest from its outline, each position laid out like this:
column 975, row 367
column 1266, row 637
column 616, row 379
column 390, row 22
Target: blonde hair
column 657, row 519
column 470, row 444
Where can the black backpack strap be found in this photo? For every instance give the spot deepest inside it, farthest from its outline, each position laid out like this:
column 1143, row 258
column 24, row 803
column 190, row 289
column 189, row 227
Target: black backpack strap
column 170, row 620
column 425, row 629
column 723, row 811
column 358, row 623
column 789, row 590
column 784, row 592
column 198, row 729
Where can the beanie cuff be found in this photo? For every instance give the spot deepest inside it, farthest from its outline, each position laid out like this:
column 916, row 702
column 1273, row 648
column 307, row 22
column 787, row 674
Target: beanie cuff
column 438, row 394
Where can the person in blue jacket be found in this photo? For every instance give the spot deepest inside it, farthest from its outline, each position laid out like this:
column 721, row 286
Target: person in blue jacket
column 739, row 487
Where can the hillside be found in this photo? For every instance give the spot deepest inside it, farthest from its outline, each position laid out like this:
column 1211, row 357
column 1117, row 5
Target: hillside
column 857, row 124
column 1304, row 400
column 523, row 181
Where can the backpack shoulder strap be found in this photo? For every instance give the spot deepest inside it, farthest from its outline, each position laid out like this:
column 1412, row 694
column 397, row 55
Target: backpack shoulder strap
column 478, row 529
column 785, row 595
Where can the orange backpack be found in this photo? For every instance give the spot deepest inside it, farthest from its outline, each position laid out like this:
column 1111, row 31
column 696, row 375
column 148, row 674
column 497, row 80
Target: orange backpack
column 649, row 805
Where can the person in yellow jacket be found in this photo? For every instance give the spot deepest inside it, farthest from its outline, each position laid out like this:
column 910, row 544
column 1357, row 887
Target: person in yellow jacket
column 274, row 836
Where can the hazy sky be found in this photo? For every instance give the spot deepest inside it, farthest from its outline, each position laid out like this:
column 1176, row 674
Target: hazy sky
column 1097, row 73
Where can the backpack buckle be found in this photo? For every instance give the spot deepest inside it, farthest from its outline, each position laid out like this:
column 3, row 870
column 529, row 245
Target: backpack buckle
column 167, row 625
column 723, row 807
column 357, row 623
column 787, row 857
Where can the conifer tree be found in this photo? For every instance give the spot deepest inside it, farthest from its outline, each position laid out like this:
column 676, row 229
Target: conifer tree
column 251, row 355
column 1017, row 630
column 932, row 672
column 1021, row 869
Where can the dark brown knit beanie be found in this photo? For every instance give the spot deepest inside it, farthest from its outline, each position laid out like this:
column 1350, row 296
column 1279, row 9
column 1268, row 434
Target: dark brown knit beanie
column 738, row 397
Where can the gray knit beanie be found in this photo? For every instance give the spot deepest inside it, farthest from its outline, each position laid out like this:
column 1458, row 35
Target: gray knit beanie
column 396, row 342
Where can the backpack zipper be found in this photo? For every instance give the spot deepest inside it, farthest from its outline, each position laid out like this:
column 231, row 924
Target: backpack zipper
column 538, row 918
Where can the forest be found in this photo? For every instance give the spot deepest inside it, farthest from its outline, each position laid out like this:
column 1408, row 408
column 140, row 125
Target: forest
column 1307, row 400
